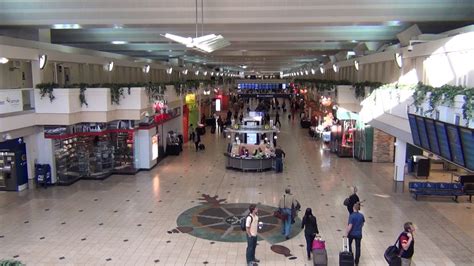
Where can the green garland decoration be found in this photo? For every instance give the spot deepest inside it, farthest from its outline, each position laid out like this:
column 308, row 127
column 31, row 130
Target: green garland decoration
column 47, row 88
column 359, row 88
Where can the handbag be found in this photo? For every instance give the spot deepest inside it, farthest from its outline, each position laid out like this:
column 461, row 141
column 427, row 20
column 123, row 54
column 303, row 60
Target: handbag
column 346, row 202
column 392, row 254
column 279, row 215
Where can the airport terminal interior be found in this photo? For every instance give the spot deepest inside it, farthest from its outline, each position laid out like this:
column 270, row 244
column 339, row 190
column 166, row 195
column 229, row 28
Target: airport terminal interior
column 140, row 132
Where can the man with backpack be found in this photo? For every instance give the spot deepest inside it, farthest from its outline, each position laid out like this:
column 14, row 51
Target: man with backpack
column 251, row 227
column 288, row 205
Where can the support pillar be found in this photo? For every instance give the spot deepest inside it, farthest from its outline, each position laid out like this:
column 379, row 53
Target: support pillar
column 400, row 161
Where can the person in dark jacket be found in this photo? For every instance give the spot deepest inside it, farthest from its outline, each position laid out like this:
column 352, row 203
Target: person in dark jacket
column 353, row 199
column 406, row 243
column 310, row 229
column 279, row 154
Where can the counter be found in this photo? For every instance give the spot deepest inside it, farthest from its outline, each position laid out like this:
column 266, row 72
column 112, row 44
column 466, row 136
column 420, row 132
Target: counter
column 252, row 164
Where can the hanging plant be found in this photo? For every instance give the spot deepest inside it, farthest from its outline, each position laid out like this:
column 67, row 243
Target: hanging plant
column 82, row 94
column 47, row 88
column 153, row 90
column 116, row 92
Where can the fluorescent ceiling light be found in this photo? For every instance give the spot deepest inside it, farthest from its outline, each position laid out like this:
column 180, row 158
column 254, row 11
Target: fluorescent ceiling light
column 43, row 59
column 206, row 44
column 3, row 60
column 119, row 42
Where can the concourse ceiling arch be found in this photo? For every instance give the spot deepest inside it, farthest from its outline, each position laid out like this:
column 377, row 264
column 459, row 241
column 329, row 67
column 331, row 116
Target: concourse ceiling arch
column 265, row 35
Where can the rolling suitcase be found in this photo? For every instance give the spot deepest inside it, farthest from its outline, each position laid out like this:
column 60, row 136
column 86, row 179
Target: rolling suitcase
column 346, row 258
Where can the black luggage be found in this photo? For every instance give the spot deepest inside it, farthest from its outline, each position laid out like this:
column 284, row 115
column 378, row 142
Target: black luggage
column 202, row 147
column 346, row 258
column 213, row 130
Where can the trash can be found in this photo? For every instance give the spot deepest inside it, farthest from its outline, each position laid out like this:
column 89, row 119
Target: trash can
column 43, row 175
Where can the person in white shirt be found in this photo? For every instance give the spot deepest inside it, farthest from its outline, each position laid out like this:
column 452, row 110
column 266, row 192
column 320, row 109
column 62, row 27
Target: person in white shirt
column 251, row 225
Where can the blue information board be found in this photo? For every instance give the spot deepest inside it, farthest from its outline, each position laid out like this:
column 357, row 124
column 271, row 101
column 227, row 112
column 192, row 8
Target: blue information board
column 414, row 130
column 443, row 140
column 455, row 144
column 467, row 140
column 420, row 122
column 432, row 136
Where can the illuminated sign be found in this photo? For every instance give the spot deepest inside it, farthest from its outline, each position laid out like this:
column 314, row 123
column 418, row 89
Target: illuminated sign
column 154, row 147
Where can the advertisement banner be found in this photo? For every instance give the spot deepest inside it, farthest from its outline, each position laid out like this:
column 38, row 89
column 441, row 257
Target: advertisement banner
column 10, row 101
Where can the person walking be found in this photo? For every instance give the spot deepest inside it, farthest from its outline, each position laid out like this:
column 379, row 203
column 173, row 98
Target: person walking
column 279, row 154
column 353, row 199
column 354, row 230
column 251, row 225
column 286, row 204
column 406, row 243
column 277, row 119
column 196, row 139
column 310, row 230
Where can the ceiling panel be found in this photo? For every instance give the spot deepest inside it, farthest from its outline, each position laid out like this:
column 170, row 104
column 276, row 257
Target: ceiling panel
column 264, row 34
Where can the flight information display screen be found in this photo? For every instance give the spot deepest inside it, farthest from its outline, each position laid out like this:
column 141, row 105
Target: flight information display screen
column 443, row 140
column 432, row 136
column 414, row 130
column 455, row 144
column 467, row 140
column 420, row 122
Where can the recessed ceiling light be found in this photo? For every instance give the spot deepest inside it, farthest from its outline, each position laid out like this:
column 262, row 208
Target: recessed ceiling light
column 119, row 42
column 353, row 41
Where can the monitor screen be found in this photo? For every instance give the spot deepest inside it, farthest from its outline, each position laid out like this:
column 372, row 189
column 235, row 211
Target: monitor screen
column 420, row 122
column 432, row 136
column 414, row 130
column 252, row 138
column 455, row 144
column 443, row 140
column 467, row 140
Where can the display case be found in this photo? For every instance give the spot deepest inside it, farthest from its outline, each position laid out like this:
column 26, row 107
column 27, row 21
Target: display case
column 123, row 146
column 69, row 166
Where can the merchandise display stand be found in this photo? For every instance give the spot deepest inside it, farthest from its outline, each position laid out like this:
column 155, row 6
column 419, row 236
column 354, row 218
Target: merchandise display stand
column 251, row 147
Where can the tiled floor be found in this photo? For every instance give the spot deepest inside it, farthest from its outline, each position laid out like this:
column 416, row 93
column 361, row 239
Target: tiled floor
column 132, row 220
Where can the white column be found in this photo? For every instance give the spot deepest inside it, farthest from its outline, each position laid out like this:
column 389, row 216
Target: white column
column 400, row 156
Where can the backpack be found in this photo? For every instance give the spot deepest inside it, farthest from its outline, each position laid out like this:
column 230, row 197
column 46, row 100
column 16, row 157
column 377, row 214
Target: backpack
column 243, row 222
